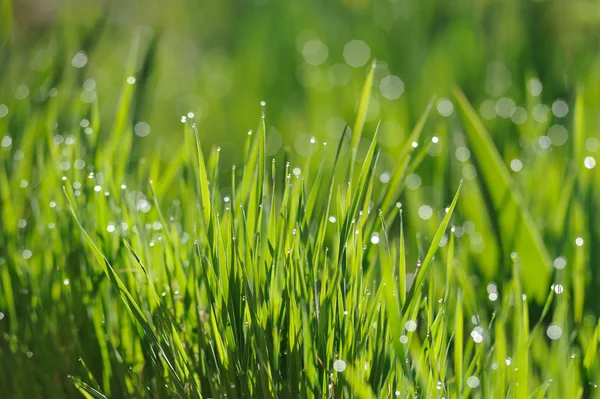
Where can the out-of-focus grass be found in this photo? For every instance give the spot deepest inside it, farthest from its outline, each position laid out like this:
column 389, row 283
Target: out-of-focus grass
column 144, row 265
column 222, row 58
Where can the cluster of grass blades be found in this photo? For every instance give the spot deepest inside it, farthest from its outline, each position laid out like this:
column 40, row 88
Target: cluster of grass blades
column 139, row 279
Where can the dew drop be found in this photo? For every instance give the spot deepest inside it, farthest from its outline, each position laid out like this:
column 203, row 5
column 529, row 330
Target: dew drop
column 339, row 365
column 473, row 382
column 554, row 331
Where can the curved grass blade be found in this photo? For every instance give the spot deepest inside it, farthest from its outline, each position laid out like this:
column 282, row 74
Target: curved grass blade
column 509, row 209
column 87, row 391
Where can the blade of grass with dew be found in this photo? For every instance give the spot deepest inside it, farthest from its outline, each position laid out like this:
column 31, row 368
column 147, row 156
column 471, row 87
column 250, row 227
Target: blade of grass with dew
column 132, row 306
column 358, row 196
column 422, row 271
column 87, row 391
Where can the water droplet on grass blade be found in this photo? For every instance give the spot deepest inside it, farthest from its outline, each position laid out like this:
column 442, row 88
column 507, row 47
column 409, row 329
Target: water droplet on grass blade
column 339, row 365
column 592, row 144
column 413, row 181
column 425, row 212
column 560, row 262
column 540, row 113
column 445, row 107
column 516, row 165
column 142, row 129
column 410, row 325
column 391, row 87
column 558, row 288
column 375, row 238
column 6, row 141
column 554, row 331
column 473, row 381
column 589, row 162
column 79, row 60
column 560, row 108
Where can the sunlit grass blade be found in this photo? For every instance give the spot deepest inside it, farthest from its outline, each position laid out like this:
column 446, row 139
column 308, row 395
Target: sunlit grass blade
column 85, row 390
column 517, row 225
column 203, row 179
column 393, row 189
column 361, row 114
column 422, row 271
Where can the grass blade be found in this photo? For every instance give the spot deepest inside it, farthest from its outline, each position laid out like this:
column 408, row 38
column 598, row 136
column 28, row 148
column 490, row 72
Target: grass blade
column 515, row 220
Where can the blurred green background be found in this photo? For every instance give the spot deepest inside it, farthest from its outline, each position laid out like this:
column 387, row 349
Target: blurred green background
column 306, row 59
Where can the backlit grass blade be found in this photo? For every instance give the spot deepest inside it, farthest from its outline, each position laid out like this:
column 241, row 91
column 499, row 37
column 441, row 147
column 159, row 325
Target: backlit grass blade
column 589, row 359
column 358, row 388
column 87, row 391
column 359, row 194
column 422, row 271
column 402, row 267
column 509, row 209
column 458, row 343
column 361, row 115
column 203, row 179
column 393, row 189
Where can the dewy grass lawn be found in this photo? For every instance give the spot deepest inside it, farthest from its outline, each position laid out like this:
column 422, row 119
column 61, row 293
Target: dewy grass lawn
column 122, row 277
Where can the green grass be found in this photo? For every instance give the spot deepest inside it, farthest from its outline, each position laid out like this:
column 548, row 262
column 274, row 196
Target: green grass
column 432, row 247
column 129, row 277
